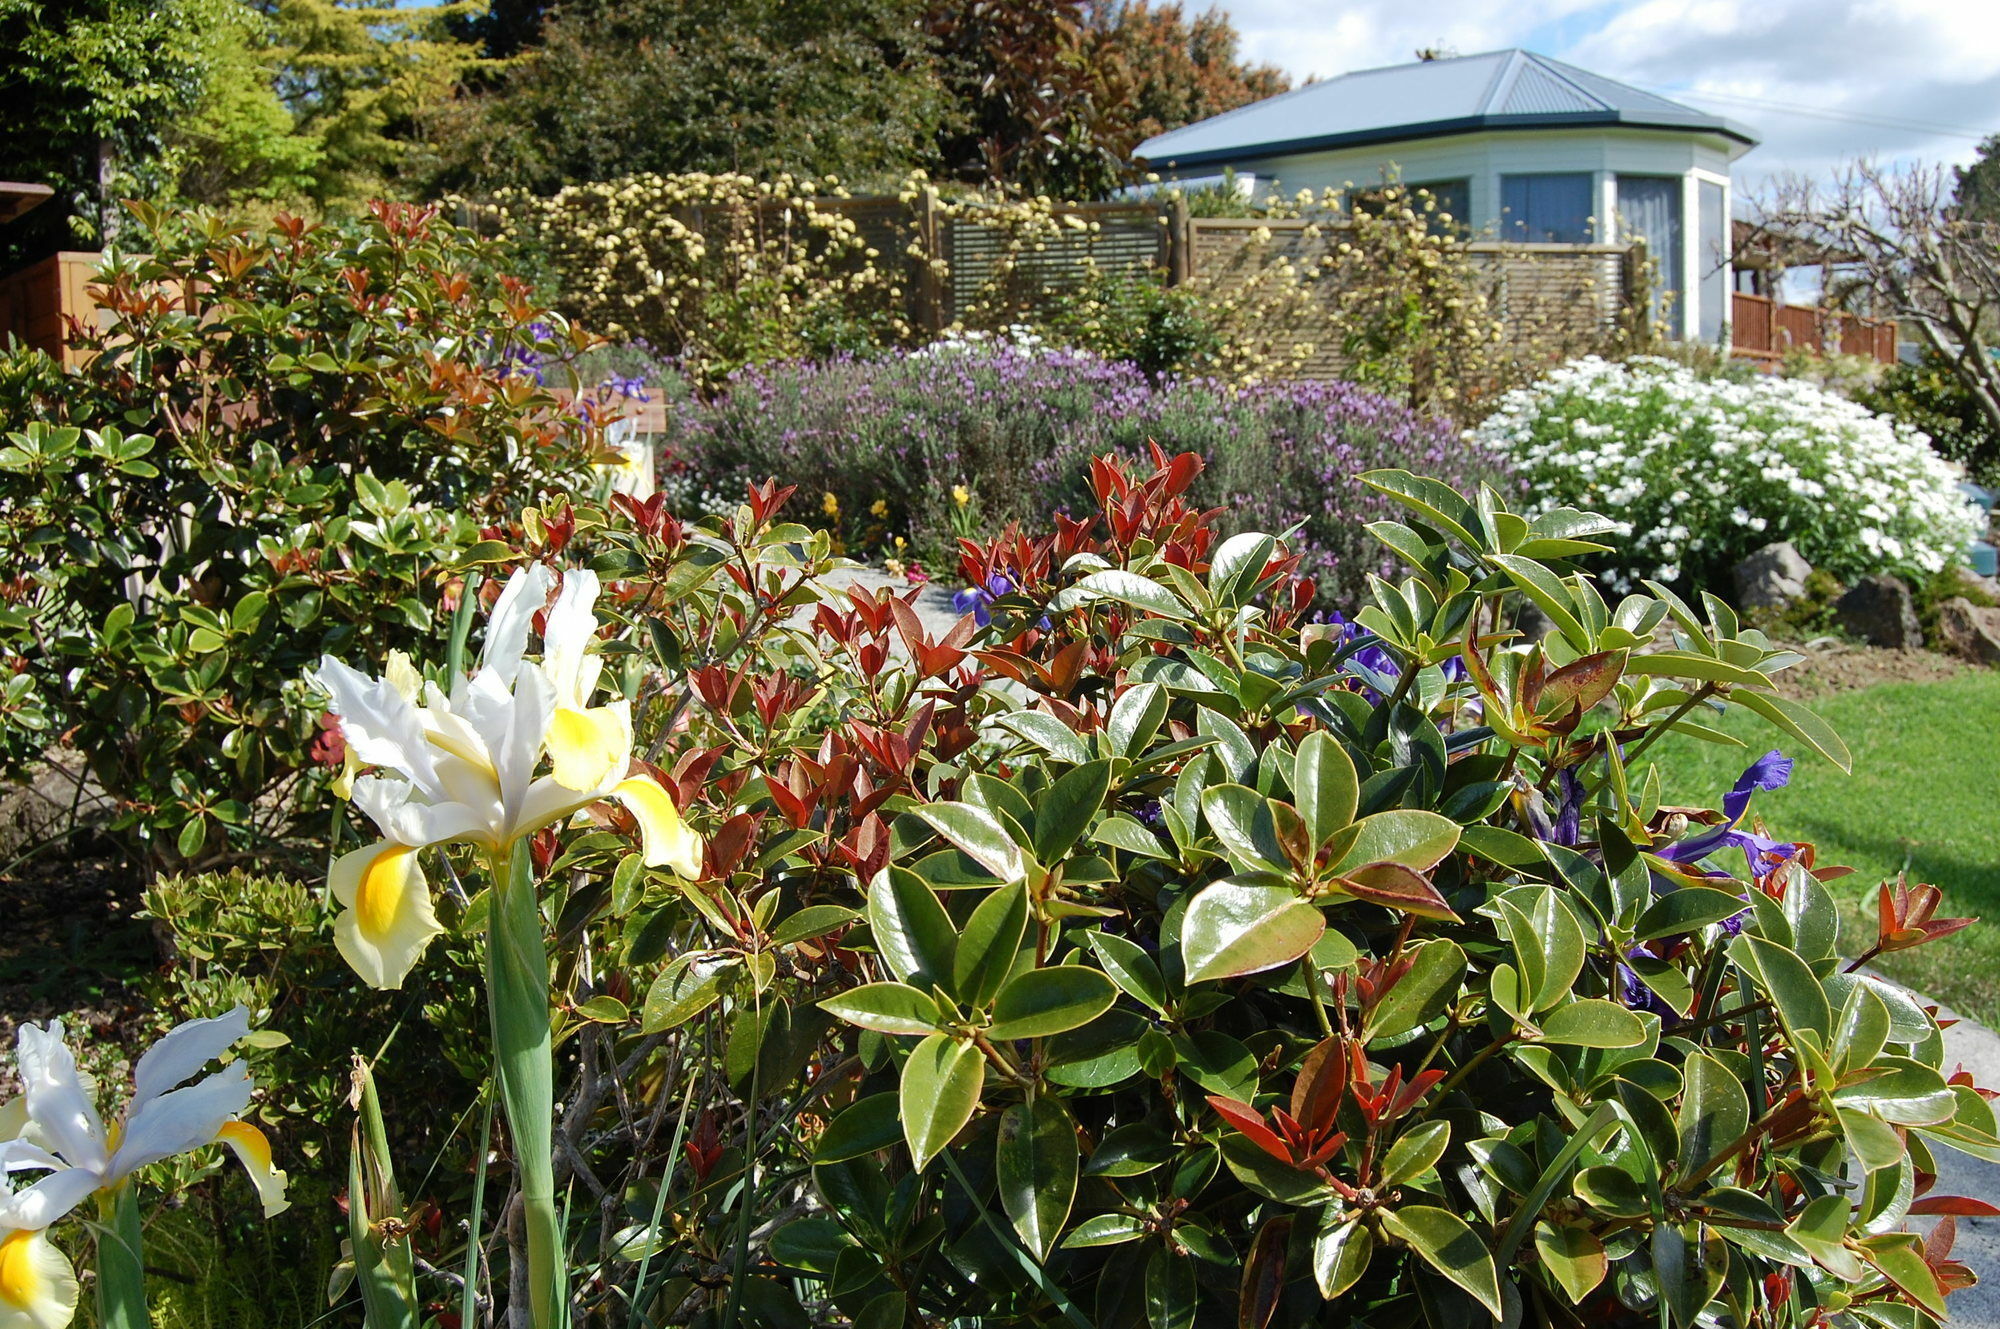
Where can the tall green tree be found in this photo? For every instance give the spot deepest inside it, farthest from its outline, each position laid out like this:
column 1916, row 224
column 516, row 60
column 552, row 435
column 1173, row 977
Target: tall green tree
column 1978, row 185
column 758, row 86
column 359, row 78
column 1056, row 94
column 239, row 145
column 91, row 88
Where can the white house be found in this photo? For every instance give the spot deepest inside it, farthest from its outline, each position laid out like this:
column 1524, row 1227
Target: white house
column 1514, row 145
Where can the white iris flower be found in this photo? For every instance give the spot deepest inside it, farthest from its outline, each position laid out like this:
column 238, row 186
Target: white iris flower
column 54, row 1128
column 464, row 766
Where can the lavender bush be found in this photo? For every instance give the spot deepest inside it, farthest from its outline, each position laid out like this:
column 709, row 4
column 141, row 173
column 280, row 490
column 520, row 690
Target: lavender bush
column 927, row 444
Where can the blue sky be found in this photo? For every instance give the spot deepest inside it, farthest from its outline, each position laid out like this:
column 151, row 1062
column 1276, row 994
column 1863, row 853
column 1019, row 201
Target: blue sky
column 1819, row 80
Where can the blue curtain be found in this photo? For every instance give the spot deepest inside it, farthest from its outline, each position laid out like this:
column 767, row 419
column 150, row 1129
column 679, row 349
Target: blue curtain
column 1546, row 209
column 1649, row 209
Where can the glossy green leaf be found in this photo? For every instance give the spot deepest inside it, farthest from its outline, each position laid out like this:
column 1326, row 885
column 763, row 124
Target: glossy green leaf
column 1130, row 968
column 1789, row 982
column 1136, row 715
column 1415, row 1153
column 1244, row 925
column 1126, row 588
column 940, row 1090
column 1714, row 1110
column 887, row 1008
column 689, row 985
column 811, row 922
column 1593, row 1023
column 1573, row 1256
column 1243, row 820
column 980, row 834
column 1171, row 1292
column 1899, row 1090
column 1035, row 1161
column 1413, row 838
column 1325, row 788
column 912, row 933
column 1050, row 1001
column 1064, row 811
column 1105, row 1230
column 1800, row 723
column 866, row 1126
column 990, row 944
column 1340, row 1257
column 810, row 1244
column 1435, row 970
column 1444, row 1242
column 1612, row 1191
column 1687, row 909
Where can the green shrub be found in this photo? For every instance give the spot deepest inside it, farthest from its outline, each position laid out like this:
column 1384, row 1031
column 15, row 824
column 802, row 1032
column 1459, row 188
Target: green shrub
column 1927, row 395
column 279, row 442
column 1157, row 956
column 1705, row 472
column 1127, row 315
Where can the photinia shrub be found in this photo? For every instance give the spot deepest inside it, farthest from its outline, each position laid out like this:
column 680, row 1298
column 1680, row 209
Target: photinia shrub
column 1140, row 951
column 1705, row 471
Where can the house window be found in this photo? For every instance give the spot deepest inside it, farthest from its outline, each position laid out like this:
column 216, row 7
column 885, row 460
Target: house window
column 1450, row 199
column 1649, row 209
column 1546, row 209
column 1714, row 254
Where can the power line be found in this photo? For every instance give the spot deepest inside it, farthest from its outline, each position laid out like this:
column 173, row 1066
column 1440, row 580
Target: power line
column 1824, row 113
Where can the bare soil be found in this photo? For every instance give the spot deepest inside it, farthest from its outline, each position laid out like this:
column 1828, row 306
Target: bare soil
column 1834, row 666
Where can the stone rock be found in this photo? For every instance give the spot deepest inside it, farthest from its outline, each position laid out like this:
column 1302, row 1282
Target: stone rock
column 1984, row 587
column 1772, row 577
column 1965, row 629
column 1881, row 611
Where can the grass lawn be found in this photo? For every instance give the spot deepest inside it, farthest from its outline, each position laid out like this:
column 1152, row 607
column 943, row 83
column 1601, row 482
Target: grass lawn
column 1924, row 798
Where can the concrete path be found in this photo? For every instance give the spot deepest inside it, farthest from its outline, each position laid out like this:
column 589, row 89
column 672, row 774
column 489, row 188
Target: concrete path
column 1978, row 1244
column 933, row 605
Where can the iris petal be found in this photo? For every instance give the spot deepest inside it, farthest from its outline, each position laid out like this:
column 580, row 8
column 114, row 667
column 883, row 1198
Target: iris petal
column 589, row 747
column 668, row 841
column 253, row 1151
column 387, row 921
column 38, row 1289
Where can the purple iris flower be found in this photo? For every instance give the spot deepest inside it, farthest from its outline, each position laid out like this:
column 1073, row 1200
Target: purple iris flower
column 1568, row 827
column 978, row 600
column 1633, row 989
column 1373, row 665
column 1773, row 770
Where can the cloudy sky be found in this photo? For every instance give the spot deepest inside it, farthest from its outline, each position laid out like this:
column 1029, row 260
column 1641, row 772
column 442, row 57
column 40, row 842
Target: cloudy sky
column 1818, row 80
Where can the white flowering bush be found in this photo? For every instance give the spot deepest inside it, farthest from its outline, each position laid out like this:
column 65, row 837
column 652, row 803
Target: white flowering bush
column 1704, row 472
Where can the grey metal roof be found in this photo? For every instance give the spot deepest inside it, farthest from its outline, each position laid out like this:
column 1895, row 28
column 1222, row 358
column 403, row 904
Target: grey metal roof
column 1511, row 89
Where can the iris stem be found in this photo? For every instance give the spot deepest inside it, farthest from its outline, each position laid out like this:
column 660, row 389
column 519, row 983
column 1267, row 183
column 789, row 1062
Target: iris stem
column 121, row 1262
column 517, row 993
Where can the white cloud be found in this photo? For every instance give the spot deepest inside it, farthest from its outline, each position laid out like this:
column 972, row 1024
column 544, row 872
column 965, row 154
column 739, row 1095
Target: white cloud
column 1818, row 80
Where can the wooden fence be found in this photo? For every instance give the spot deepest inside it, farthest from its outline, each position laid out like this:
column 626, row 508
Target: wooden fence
column 986, row 265
column 34, row 301
column 1763, row 331
column 1565, row 295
